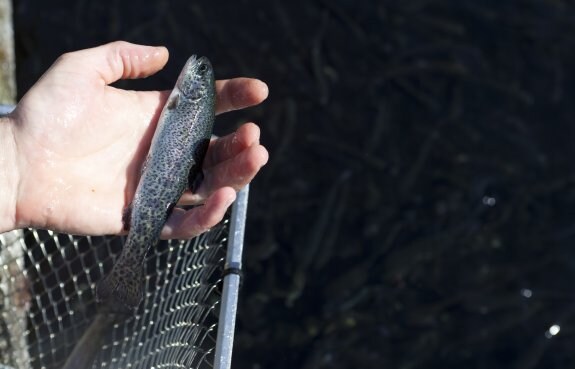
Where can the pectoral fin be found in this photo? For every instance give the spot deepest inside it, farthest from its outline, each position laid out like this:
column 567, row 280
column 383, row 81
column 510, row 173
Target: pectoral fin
column 173, row 101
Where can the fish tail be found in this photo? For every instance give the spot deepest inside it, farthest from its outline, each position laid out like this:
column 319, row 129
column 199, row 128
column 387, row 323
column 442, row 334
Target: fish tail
column 122, row 286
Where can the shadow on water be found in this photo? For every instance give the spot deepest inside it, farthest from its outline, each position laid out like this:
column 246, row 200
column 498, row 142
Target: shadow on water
column 417, row 210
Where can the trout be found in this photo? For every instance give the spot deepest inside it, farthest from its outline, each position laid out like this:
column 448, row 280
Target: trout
column 174, row 163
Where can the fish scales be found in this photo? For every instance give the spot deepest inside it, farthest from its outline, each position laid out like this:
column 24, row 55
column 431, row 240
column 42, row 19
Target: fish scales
column 173, row 163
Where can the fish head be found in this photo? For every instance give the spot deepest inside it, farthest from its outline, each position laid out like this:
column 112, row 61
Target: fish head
column 196, row 81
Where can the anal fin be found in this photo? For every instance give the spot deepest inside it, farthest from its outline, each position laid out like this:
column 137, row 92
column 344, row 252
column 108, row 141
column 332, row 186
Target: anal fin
column 122, row 288
column 195, row 178
column 127, row 217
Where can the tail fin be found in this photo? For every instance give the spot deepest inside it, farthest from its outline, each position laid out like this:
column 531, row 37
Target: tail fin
column 123, row 286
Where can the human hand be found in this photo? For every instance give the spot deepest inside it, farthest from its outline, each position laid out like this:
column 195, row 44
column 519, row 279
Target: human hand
column 79, row 145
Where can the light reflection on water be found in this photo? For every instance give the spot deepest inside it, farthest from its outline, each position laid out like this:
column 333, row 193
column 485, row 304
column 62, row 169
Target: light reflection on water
column 552, row 331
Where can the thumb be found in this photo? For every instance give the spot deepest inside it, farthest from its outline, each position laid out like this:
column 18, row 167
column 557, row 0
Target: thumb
column 117, row 60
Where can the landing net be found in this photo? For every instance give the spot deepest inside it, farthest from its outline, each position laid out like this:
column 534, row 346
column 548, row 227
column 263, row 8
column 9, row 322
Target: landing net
column 47, row 299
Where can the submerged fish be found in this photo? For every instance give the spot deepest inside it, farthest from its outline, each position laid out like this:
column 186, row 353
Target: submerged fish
column 174, row 162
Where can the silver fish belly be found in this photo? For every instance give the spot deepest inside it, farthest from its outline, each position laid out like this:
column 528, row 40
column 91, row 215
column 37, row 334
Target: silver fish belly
column 174, row 161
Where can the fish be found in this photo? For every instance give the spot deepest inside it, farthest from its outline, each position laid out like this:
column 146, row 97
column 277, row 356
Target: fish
column 174, row 163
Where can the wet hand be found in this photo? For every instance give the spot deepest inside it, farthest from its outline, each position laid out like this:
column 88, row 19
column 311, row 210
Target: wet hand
column 80, row 143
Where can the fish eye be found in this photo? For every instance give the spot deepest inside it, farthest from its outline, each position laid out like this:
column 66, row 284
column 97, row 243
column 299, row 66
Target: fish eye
column 203, row 68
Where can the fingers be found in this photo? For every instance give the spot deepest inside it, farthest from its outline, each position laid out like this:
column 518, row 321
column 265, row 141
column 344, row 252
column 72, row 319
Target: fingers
column 235, row 172
column 231, row 161
column 118, row 60
column 226, row 147
column 184, row 224
column 232, row 94
column 124, row 60
column 239, row 93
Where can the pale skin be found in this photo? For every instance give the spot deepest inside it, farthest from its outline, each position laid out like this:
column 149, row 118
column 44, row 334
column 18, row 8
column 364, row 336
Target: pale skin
column 71, row 152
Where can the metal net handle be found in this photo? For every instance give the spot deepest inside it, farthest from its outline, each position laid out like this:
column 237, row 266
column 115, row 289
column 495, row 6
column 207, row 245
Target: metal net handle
column 231, row 282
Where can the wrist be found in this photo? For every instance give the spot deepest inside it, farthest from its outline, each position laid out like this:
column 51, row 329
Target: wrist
column 8, row 175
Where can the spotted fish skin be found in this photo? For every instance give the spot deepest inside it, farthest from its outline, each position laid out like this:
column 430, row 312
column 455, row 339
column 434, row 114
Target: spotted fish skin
column 174, row 160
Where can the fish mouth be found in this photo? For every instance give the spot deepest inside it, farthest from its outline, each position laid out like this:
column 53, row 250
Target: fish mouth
column 195, row 77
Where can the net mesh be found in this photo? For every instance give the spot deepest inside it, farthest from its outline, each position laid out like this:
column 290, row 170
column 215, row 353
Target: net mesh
column 47, row 297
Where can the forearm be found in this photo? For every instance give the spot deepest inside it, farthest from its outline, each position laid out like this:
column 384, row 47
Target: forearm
column 8, row 176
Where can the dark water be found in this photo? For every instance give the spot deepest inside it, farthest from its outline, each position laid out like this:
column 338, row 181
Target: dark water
column 418, row 208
